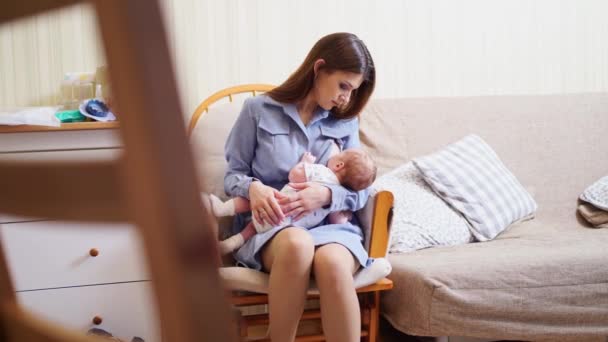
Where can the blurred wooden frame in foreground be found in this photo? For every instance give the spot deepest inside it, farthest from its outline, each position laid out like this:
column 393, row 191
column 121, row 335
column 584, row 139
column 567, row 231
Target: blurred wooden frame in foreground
column 153, row 186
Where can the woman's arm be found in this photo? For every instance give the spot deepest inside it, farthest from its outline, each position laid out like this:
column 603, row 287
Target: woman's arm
column 239, row 151
column 346, row 199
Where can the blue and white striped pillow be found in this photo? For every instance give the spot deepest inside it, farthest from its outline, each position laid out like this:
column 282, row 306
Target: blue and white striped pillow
column 470, row 177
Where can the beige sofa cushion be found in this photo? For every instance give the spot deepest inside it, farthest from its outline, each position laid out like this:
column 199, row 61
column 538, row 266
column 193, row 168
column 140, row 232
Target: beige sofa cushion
column 533, row 282
column 250, row 280
column 207, row 140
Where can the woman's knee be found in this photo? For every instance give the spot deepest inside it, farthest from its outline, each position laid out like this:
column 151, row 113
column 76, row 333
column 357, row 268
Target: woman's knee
column 333, row 263
column 293, row 247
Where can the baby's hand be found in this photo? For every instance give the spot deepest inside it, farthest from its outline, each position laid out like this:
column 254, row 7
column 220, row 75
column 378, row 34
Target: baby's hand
column 308, row 158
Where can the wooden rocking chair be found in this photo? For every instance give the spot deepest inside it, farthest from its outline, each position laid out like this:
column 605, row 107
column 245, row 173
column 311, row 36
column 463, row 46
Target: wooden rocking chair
column 376, row 219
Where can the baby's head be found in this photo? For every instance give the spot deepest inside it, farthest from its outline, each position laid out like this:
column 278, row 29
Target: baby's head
column 354, row 168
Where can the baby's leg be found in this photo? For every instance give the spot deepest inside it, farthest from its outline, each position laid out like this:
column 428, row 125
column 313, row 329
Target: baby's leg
column 340, row 217
column 236, row 241
column 233, row 206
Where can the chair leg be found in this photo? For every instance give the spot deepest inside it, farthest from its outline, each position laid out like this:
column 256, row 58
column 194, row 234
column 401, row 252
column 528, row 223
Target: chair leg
column 243, row 330
column 365, row 320
column 370, row 316
column 374, row 319
column 240, row 324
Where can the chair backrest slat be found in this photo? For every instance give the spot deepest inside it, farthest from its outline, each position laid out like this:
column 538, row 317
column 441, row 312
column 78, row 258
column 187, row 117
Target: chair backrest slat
column 227, row 92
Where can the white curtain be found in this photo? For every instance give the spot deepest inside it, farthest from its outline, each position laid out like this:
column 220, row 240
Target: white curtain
column 421, row 47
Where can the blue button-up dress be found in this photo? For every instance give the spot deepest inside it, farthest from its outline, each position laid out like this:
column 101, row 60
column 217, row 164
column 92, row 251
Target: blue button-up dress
column 266, row 141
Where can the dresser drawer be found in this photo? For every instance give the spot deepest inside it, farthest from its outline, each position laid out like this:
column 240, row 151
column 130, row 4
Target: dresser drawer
column 105, row 154
column 77, row 155
column 51, row 254
column 126, row 310
column 59, row 140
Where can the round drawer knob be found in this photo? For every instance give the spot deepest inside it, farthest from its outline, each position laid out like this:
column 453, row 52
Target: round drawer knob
column 94, row 252
column 97, row 320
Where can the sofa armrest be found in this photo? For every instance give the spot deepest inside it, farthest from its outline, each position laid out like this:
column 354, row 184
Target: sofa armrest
column 375, row 219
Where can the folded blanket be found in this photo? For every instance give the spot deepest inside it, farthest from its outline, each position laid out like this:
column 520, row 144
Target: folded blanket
column 597, row 194
column 597, row 217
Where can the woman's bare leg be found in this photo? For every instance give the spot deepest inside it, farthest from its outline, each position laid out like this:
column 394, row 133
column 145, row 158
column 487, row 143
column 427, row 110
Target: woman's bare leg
column 334, row 266
column 288, row 257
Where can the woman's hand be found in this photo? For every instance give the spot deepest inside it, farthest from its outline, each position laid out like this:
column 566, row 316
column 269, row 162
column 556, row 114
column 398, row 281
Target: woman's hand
column 309, row 196
column 263, row 201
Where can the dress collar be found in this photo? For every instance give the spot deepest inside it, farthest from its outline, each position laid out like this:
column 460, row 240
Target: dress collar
column 291, row 110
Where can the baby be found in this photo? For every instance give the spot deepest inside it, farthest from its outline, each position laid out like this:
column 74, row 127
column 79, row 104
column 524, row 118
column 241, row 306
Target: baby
column 351, row 168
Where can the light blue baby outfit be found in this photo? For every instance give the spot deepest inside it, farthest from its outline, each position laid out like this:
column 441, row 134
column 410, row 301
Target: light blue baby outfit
column 267, row 139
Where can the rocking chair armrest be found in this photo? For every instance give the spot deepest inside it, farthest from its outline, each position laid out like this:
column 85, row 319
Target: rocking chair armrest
column 375, row 219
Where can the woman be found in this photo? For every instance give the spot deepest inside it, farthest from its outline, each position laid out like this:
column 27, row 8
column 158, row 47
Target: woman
column 314, row 109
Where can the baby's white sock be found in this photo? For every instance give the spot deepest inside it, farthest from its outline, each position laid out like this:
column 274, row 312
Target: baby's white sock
column 379, row 269
column 220, row 208
column 231, row 244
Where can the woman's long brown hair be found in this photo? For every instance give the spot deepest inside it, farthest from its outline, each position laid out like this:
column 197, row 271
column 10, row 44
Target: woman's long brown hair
column 341, row 52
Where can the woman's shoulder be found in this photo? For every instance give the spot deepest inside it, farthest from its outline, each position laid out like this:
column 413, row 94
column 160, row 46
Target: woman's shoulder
column 342, row 124
column 260, row 104
column 263, row 100
column 256, row 100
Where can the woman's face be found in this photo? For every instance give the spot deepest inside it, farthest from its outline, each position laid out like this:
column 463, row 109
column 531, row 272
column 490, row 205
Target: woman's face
column 333, row 89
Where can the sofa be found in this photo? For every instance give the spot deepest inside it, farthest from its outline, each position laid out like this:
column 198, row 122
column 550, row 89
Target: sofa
column 543, row 279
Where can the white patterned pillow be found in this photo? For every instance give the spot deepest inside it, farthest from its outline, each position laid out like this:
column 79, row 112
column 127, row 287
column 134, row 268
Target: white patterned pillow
column 471, row 178
column 420, row 218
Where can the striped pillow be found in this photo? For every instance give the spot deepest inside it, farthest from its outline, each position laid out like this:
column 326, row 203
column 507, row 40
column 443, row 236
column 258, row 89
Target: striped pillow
column 471, row 178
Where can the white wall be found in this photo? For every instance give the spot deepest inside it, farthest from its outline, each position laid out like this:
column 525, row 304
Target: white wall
column 35, row 53
column 421, row 47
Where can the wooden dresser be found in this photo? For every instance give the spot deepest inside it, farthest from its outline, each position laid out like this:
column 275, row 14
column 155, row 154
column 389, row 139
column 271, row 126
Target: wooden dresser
column 84, row 278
